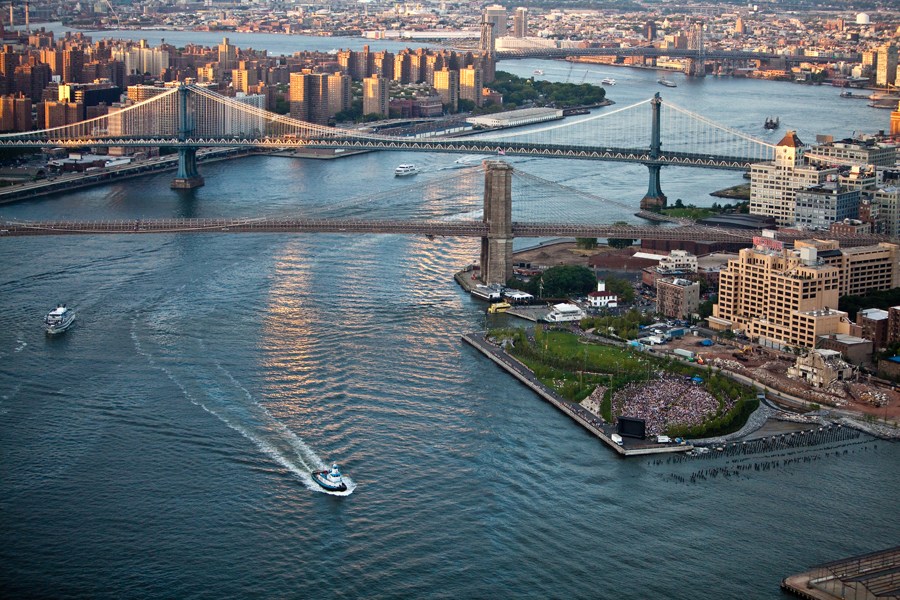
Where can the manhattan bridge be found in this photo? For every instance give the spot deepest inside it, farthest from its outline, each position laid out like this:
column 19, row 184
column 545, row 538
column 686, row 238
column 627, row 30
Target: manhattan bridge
column 188, row 117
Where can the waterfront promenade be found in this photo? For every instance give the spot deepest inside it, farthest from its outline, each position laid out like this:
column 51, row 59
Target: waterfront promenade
column 588, row 420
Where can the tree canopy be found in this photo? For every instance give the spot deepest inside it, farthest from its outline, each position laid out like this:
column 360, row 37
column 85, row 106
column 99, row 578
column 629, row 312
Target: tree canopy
column 519, row 91
column 567, row 280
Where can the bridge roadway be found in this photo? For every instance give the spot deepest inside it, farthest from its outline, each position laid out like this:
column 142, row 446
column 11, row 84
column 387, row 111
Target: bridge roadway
column 708, row 54
column 476, row 229
column 459, row 146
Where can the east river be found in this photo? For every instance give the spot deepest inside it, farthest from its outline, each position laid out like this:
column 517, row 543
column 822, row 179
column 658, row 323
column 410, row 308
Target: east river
column 162, row 446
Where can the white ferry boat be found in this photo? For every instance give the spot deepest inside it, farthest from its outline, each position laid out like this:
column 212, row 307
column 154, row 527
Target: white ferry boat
column 405, row 169
column 666, row 82
column 59, row 319
column 608, row 81
column 330, row 480
column 537, row 72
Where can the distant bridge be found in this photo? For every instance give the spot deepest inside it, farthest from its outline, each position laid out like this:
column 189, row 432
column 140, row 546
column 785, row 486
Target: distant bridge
column 189, row 117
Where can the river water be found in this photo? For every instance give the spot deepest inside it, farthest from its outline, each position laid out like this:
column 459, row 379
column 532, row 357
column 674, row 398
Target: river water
column 162, row 446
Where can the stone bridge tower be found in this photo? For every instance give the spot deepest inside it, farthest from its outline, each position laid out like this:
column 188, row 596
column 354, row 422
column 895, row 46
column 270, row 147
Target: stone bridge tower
column 496, row 248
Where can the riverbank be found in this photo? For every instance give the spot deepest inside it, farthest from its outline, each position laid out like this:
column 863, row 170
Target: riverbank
column 735, row 192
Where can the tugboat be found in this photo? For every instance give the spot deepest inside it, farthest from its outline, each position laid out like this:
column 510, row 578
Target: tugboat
column 330, row 480
column 771, row 123
column 59, row 319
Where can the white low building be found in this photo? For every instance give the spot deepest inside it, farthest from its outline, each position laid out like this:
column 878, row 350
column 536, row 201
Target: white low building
column 564, row 312
column 601, row 298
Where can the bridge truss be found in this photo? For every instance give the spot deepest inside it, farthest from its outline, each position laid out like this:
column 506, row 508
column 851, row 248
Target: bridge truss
column 192, row 116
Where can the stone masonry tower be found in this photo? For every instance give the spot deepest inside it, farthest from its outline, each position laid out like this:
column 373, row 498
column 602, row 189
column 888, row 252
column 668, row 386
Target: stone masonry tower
column 496, row 248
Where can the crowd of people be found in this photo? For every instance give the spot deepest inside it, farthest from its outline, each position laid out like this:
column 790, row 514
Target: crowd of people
column 665, row 400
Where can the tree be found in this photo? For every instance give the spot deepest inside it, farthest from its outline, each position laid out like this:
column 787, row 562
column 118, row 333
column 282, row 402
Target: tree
column 620, row 242
column 621, row 288
column 586, row 243
column 706, row 308
column 567, row 280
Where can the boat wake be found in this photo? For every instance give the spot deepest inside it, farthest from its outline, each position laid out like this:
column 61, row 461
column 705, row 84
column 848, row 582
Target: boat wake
column 218, row 393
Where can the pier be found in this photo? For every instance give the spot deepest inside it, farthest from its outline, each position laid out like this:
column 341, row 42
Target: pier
column 864, row 577
column 585, row 418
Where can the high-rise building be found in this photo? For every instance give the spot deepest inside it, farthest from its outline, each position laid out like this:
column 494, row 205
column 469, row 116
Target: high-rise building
column 446, row 83
column 15, row 113
column 886, row 65
column 227, row 56
column 244, row 79
column 650, row 31
column 383, row 64
column 470, row 85
column 773, row 186
column 739, row 26
column 309, row 97
column 520, row 22
column 402, row 63
column 496, row 15
column 57, row 114
column 376, row 96
column 338, row 93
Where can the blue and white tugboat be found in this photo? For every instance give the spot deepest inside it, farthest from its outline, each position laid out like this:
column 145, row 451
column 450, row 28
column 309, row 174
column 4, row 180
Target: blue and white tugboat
column 59, row 319
column 330, row 480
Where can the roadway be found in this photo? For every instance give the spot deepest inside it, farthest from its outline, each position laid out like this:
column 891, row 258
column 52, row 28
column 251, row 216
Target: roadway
column 477, row 229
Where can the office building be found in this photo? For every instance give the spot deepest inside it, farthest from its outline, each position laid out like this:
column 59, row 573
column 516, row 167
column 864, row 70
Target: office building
column 820, row 206
column 779, row 297
column 773, row 186
column 852, row 152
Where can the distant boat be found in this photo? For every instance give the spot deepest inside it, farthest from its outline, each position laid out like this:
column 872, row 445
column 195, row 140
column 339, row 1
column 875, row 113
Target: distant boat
column 405, row 169
column 772, row 123
column 499, row 307
column 537, row 72
column 608, row 81
column 666, row 82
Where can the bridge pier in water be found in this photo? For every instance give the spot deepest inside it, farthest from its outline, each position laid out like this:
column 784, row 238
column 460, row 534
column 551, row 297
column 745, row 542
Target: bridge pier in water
column 187, row 177
column 655, row 199
column 496, row 248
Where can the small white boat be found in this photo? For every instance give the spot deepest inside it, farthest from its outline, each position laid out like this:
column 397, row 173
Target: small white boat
column 405, row 170
column 330, row 480
column 59, row 319
column 666, row 82
column 537, row 72
column 608, row 81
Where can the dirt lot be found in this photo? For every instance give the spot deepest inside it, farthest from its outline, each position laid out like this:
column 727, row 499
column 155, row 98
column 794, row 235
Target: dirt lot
column 553, row 255
column 770, row 368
